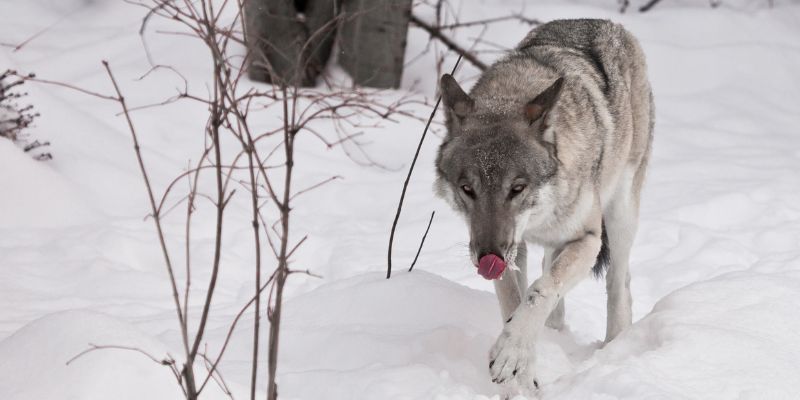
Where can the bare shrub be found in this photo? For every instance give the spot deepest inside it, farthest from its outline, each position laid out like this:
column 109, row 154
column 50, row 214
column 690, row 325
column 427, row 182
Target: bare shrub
column 16, row 117
column 261, row 165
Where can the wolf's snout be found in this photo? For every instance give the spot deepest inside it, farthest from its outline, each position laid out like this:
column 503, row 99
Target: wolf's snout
column 491, row 266
column 486, row 247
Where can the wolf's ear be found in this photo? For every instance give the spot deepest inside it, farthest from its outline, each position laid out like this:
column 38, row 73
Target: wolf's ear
column 538, row 107
column 457, row 103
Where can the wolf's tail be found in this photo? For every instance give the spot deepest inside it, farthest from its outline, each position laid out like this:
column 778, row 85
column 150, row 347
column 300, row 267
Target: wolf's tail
column 604, row 256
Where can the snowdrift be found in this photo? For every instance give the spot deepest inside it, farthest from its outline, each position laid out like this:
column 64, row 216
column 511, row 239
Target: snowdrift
column 715, row 268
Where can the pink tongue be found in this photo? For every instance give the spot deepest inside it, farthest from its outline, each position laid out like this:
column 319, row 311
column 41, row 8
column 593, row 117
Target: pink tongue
column 491, row 266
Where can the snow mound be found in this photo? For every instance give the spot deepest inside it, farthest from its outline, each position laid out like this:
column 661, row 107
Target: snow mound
column 415, row 336
column 725, row 338
column 38, row 353
column 35, row 195
column 420, row 336
column 425, row 337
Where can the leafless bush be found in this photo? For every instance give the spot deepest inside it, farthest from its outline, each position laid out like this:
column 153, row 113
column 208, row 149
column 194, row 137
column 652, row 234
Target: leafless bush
column 230, row 106
column 261, row 165
column 15, row 117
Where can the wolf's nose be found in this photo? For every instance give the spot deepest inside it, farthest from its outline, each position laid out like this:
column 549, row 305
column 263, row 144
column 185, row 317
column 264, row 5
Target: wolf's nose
column 490, row 253
column 505, row 246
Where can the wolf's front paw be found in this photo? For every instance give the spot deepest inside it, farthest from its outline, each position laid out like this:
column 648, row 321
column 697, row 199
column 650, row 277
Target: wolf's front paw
column 513, row 357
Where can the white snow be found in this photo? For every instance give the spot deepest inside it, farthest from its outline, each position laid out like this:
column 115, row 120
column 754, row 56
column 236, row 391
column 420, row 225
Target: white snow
column 715, row 267
column 34, row 364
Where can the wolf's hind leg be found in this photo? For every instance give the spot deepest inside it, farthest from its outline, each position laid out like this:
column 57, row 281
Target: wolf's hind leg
column 621, row 221
column 556, row 318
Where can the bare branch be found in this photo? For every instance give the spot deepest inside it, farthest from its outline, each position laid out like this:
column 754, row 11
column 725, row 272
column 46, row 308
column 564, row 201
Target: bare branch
column 645, row 8
column 157, row 220
column 32, row 78
column 232, row 328
column 93, row 347
column 437, row 34
column 408, row 178
column 314, row 186
column 517, row 17
column 422, row 242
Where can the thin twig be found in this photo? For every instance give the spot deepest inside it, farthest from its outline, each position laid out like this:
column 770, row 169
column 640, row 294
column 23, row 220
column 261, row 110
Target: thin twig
column 517, row 17
column 215, row 375
column 650, row 4
column 68, row 86
column 93, row 347
column 422, row 242
column 316, row 185
column 408, row 177
column 154, row 209
column 25, row 42
column 296, row 246
column 214, row 132
column 289, row 132
column 232, row 327
column 305, row 272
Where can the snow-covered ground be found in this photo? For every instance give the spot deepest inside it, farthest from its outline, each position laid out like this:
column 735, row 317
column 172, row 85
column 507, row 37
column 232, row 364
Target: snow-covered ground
column 715, row 267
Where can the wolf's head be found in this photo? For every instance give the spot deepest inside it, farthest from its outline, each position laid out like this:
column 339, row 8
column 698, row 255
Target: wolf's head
column 496, row 166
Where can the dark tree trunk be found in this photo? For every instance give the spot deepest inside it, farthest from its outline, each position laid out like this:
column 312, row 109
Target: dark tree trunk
column 320, row 15
column 290, row 41
column 373, row 41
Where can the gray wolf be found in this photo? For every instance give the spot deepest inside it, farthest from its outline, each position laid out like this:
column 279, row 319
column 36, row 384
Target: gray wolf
column 550, row 147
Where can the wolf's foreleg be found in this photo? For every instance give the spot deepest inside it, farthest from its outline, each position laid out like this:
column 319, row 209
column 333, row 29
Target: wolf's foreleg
column 508, row 294
column 556, row 318
column 511, row 287
column 512, row 358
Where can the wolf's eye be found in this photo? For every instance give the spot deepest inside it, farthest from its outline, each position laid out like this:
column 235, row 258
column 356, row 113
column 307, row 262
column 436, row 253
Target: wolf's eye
column 468, row 190
column 516, row 189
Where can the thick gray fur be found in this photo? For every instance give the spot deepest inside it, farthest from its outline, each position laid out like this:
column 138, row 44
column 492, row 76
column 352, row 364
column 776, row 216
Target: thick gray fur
column 550, row 147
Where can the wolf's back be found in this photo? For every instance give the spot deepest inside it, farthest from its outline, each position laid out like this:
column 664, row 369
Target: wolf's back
column 578, row 34
column 600, row 43
column 608, row 54
column 605, row 53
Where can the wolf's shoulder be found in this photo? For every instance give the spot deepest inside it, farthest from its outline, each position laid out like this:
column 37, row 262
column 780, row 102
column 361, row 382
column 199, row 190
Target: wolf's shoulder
column 578, row 34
